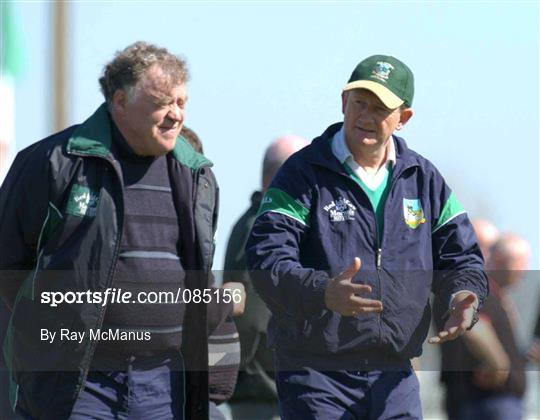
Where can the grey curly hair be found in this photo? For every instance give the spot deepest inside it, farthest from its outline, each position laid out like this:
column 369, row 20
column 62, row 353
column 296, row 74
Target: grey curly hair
column 129, row 65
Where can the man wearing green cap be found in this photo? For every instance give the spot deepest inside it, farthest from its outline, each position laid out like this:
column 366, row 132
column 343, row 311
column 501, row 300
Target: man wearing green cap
column 354, row 233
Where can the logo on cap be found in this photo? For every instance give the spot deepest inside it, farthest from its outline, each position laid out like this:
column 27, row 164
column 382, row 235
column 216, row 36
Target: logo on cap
column 382, row 70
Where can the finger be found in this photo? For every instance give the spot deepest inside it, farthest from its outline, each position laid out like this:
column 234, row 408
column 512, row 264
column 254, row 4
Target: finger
column 362, row 311
column 359, row 303
column 439, row 338
column 351, row 270
column 359, row 289
column 443, row 339
column 370, row 310
column 452, row 331
column 450, row 334
column 434, row 340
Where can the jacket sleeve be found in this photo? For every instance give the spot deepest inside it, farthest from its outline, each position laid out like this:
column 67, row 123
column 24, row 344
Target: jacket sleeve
column 274, row 247
column 457, row 258
column 24, row 203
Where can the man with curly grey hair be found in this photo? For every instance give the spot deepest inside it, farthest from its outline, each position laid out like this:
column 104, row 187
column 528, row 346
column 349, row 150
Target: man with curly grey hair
column 102, row 225
column 144, row 87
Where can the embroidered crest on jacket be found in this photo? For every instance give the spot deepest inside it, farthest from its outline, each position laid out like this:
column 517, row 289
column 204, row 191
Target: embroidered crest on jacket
column 413, row 212
column 82, row 201
column 340, row 210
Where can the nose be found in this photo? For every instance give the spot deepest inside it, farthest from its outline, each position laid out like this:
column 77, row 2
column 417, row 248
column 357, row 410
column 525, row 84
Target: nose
column 176, row 113
column 363, row 107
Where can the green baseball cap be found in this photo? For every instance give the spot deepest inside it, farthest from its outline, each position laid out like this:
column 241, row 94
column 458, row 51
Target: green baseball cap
column 387, row 77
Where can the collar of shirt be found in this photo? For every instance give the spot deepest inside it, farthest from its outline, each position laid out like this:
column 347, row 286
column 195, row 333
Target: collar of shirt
column 343, row 154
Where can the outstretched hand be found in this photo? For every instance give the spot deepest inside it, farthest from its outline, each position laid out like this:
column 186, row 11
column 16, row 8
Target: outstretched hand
column 461, row 316
column 344, row 297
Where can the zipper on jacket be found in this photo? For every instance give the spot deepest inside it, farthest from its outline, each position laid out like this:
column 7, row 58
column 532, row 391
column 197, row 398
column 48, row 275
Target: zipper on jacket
column 379, row 241
column 378, row 250
column 205, row 257
column 93, row 344
column 393, row 181
column 378, row 262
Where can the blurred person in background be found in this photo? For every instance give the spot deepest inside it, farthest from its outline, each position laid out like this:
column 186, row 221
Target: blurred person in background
column 533, row 353
column 255, row 396
column 483, row 370
column 486, row 233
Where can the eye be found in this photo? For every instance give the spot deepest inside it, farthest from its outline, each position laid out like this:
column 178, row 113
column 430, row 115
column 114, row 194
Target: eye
column 161, row 104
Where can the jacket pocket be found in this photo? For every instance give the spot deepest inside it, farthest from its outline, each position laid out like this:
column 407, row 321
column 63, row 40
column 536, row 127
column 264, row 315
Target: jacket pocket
column 31, row 344
column 405, row 318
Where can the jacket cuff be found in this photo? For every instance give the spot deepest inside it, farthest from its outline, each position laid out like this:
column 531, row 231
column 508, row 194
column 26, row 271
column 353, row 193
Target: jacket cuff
column 473, row 281
column 316, row 303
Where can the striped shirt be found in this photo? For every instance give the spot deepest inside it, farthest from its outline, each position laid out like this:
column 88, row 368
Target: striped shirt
column 148, row 263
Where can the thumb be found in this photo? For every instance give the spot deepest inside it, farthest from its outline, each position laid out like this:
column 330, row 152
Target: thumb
column 351, row 270
column 467, row 301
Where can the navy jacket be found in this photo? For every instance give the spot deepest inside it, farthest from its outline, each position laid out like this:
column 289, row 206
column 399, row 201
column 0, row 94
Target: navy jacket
column 313, row 221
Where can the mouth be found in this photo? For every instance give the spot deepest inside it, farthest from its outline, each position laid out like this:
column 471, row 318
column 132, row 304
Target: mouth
column 168, row 130
column 366, row 130
column 168, row 127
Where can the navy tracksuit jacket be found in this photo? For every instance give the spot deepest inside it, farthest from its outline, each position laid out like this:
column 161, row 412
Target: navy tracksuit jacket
column 314, row 219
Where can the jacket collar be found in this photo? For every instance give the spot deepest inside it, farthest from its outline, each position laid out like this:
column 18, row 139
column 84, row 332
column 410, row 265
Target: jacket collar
column 320, row 152
column 93, row 138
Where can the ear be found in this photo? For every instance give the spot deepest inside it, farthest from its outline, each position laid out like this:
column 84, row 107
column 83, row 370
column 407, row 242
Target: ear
column 119, row 101
column 344, row 96
column 404, row 116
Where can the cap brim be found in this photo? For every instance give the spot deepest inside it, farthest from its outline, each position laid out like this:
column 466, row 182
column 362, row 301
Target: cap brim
column 389, row 99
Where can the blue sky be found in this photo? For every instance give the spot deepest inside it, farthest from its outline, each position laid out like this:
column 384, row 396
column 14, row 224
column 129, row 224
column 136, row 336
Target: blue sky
column 262, row 69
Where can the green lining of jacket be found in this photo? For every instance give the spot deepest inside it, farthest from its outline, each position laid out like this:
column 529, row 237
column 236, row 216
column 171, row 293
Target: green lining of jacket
column 93, row 137
column 451, row 209
column 278, row 201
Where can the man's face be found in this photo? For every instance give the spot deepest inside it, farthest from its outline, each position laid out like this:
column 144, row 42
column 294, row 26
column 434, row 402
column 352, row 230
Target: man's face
column 367, row 122
column 151, row 114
